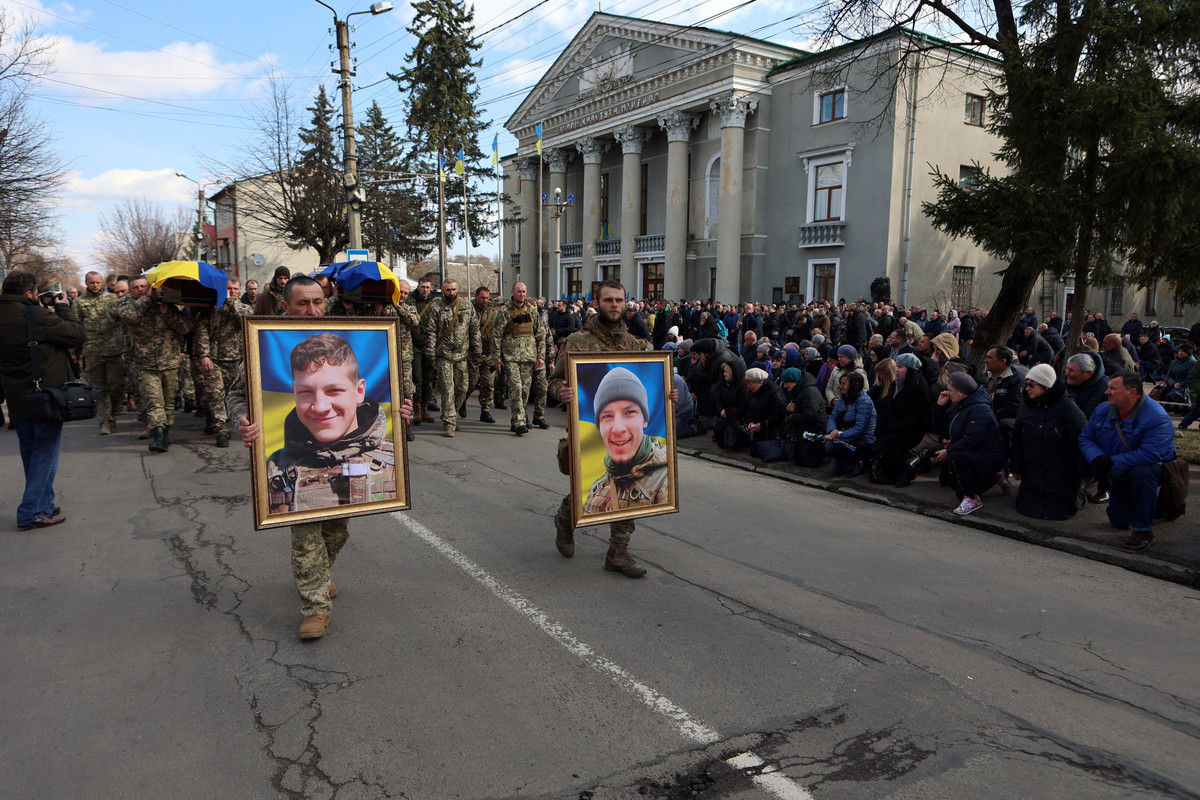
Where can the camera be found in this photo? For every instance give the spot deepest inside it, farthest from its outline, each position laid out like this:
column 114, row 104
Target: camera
column 922, row 459
column 185, row 292
column 46, row 299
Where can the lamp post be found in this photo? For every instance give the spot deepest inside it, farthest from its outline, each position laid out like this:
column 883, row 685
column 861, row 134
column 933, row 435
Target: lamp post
column 354, row 192
column 199, row 234
column 557, row 206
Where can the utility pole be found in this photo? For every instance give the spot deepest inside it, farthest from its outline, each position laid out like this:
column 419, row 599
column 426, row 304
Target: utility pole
column 198, row 236
column 355, row 195
column 557, row 206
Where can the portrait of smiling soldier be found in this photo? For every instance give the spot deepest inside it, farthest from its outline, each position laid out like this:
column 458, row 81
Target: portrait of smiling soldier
column 336, row 447
column 635, row 464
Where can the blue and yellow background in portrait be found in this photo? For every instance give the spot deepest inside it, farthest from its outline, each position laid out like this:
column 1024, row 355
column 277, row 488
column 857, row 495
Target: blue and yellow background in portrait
column 275, row 350
column 591, row 447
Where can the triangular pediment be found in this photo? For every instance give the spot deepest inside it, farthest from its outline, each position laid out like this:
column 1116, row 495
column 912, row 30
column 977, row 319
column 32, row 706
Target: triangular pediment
column 610, row 52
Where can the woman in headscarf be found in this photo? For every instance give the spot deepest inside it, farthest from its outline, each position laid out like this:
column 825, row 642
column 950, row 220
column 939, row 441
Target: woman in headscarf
column 954, row 324
column 850, row 429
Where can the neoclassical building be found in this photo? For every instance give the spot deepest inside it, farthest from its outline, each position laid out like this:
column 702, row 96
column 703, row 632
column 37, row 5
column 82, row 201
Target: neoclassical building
column 707, row 164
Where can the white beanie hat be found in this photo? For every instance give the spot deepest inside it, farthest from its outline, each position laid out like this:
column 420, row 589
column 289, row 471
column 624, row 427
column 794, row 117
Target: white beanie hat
column 1042, row 374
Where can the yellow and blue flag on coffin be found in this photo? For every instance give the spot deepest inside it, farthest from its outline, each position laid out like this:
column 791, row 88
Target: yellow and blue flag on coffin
column 459, row 166
column 202, row 272
column 538, row 130
column 495, row 149
column 275, row 351
column 352, row 274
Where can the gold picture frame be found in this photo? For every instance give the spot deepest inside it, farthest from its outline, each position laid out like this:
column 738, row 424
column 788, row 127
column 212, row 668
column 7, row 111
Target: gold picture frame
column 340, row 451
column 597, row 443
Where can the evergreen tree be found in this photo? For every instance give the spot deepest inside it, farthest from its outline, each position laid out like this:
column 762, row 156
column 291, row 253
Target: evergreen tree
column 441, row 114
column 319, row 218
column 395, row 218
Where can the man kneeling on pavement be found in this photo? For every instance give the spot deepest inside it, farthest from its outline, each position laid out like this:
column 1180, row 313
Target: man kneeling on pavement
column 1127, row 439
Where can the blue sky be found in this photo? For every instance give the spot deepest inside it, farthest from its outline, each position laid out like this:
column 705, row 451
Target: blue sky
column 137, row 91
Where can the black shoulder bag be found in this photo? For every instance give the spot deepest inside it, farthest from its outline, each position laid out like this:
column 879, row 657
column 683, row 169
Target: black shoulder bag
column 74, row 400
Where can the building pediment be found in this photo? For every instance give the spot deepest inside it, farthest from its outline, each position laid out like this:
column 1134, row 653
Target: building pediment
column 617, row 65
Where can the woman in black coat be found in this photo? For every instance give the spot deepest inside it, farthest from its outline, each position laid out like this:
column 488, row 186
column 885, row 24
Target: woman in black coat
column 903, row 419
column 730, row 395
column 1045, row 455
column 762, row 409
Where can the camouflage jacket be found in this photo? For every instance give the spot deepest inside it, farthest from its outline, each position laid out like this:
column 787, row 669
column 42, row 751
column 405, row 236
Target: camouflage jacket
column 487, row 318
column 518, row 334
column 310, row 475
column 644, row 485
column 218, row 333
column 594, row 338
column 105, row 336
column 153, row 334
column 423, row 308
column 451, row 330
column 269, row 302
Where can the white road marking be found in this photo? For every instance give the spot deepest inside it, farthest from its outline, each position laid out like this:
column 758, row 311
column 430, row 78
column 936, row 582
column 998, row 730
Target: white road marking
column 688, row 726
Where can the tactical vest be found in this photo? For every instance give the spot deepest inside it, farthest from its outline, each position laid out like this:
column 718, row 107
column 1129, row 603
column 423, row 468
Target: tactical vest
column 520, row 325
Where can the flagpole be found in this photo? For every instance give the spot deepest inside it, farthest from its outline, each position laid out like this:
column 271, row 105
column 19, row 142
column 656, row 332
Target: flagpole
column 540, row 211
column 499, row 226
column 466, row 230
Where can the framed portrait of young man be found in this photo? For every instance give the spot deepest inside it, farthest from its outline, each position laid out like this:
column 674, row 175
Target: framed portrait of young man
column 326, row 392
column 622, row 436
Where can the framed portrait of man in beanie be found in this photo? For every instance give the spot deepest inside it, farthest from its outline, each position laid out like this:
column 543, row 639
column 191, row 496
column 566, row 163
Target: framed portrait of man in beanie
column 622, row 436
column 327, row 395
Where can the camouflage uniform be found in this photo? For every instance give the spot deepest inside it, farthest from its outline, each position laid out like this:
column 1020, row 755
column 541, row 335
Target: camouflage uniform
column 154, row 347
column 451, row 333
column 594, row 338
column 519, row 336
column 644, row 485
column 409, row 326
column 103, row 351
column 481, row 371
column 218, row 337
column 423, row 365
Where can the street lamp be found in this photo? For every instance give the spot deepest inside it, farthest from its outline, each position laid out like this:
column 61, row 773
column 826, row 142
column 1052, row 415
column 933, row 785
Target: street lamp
column 557, row 206
column 354, row 192
column 199, row 235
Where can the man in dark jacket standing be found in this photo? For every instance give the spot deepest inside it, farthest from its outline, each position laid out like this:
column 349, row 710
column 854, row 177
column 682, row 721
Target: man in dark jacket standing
column 57, row 332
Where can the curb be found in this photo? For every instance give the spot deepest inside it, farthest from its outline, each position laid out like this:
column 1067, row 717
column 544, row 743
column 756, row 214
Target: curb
column 1134, row 562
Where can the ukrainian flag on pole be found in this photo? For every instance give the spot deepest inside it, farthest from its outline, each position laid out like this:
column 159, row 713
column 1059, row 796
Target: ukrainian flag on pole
column 538, row 131
column 442, row 169
column 459, row 166
column 495, row 149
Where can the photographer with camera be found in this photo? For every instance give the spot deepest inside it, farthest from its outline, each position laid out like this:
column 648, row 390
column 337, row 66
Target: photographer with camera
column 57, row 332
column 154, row 328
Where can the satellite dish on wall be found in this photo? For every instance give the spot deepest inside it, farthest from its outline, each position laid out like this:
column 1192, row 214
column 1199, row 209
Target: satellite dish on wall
column 259, row 259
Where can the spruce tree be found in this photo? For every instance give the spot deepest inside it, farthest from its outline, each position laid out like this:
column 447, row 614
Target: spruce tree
column 395, row 218
column 441, row 115
column 318, row 217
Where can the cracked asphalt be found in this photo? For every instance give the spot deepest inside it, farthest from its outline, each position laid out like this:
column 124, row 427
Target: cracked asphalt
column 149, row 644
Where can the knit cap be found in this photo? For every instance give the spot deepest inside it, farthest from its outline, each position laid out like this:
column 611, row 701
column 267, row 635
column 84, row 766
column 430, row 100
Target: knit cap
column 963, row 382
column 847, row 351
column 791, row 375
column 755, row 375
column 1042, row 374
column 620, row 384
column 908, row 360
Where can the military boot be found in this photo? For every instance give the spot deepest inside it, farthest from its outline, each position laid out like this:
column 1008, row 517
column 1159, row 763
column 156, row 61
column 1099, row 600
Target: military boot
column 210, row 424
column 501, row 405
column 105, row 427
column 462, row 410
column 145, row 434
column 619, row 560
column 425, row 413
column 484, row 416
column 158, row 443
column 564, row 537
column 449, row 430
column 189, row 405
column 314, row 626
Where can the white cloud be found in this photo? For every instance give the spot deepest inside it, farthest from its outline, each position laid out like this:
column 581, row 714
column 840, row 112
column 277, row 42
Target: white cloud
column 155, row 185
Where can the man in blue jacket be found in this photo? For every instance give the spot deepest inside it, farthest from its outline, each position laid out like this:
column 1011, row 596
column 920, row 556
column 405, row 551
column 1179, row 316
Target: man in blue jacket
column 1127, row 438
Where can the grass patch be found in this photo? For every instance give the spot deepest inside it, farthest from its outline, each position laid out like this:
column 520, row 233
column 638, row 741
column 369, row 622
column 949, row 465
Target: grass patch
column 1187, row 445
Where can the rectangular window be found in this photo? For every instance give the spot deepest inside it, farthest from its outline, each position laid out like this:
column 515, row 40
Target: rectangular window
column 968, row 177
column 1116, row 299
column 975, row 110
column 824, row 281
column 827, row 196
column 1151, row 300
column 574, row 282
column 963, row 288
column 832, row 106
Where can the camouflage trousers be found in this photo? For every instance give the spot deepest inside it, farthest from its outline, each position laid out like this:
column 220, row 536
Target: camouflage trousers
column 483, row 378
column 452, row 379
column 407, row 376
column 619, row 532
column 187, row 384
column 526, row 383
column 424, row 374
column 156, row 391
column 315, row 546
column 213, row 386
column 107, row 374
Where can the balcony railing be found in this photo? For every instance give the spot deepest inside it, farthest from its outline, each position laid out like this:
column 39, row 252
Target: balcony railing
column 608, row 247
column 823, row 234
column 654, row 243
column 515, row 259
column 572, row 250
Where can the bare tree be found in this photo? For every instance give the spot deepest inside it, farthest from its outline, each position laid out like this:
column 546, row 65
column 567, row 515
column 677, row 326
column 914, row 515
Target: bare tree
column 30, row 171
column 138, row 234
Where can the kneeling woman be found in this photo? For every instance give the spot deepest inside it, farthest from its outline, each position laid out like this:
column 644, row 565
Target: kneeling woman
column 1045, row 447
column 975, row 453
column 850, row 429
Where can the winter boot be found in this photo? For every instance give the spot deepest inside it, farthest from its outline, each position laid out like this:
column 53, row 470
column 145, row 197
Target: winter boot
column 564, row 537
column 314, row 626
column 619, row 560
column 159, row 443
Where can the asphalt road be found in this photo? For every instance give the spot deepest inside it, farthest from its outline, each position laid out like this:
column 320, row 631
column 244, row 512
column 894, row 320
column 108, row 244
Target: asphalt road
column 786, row 643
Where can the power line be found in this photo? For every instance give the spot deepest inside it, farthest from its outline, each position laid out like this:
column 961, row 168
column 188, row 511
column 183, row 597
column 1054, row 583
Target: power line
column 181, row 30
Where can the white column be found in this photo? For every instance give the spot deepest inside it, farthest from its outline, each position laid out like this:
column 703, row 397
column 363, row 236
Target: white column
column 632, row 139
column 679, row 129
column 733, row 111
column 591, row 150
column 530, row 207
column 557, row 160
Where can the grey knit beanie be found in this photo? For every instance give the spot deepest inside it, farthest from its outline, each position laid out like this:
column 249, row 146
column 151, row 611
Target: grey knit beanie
column 908, row 360
column 620, row 384
column 963, row 382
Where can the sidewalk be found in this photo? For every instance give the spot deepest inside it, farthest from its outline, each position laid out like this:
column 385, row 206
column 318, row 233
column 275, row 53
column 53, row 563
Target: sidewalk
column 1174, row 555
